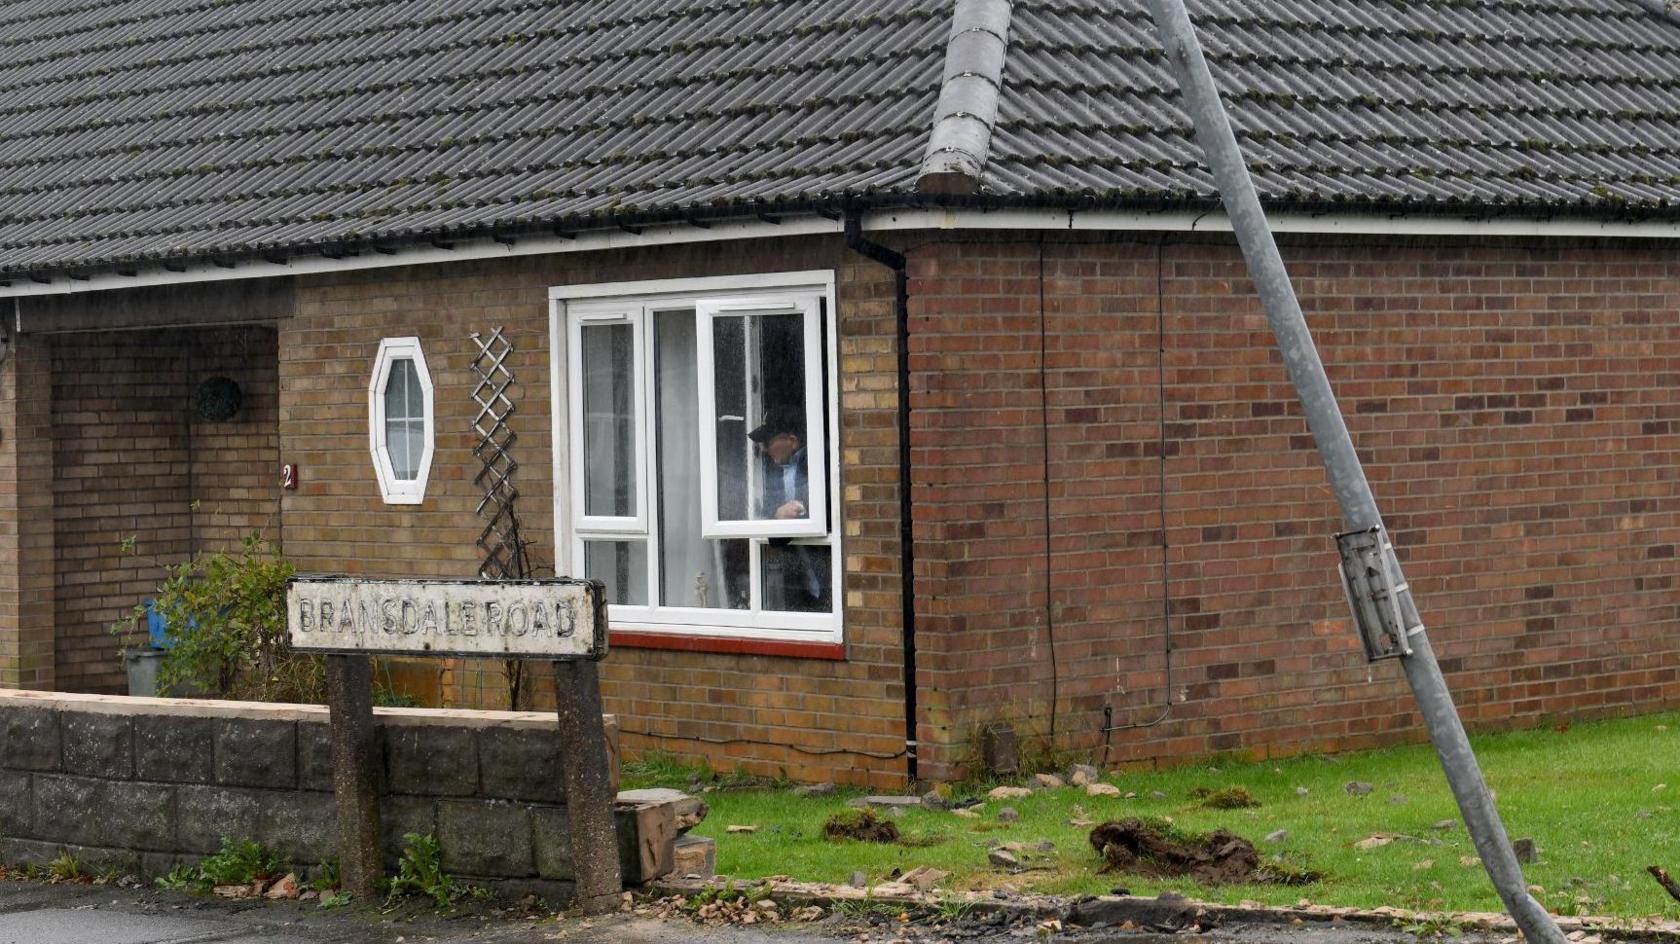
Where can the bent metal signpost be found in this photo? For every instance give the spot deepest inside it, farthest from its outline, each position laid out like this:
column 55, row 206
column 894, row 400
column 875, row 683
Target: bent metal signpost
column 561, row 620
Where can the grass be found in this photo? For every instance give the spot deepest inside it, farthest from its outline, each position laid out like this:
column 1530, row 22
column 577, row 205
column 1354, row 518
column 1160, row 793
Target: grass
column 1579, row 792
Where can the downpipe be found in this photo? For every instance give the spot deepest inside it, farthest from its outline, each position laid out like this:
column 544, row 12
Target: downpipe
column 894, row 260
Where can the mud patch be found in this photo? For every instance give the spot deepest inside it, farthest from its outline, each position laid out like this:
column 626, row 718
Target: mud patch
column 860, row 825
column 1157, row 850
column 1227, row 798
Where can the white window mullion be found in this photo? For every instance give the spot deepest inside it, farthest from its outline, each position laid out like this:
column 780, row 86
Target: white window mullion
column 650, row 454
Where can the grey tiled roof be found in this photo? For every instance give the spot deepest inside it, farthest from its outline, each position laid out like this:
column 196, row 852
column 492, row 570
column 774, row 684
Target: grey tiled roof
column 1441, row 104
column 136, row 131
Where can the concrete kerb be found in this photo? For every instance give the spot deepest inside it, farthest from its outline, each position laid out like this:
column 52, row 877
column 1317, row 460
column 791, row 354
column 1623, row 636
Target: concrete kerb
column 1143, row 911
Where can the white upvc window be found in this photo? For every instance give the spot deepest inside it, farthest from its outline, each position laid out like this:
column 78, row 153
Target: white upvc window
column 698, row 455
column 400, row 419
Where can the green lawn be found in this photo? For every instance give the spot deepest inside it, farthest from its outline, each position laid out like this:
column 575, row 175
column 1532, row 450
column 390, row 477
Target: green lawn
column 1598, row 799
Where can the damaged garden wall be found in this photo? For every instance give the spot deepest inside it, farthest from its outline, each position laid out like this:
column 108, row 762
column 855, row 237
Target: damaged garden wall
column 139, row 785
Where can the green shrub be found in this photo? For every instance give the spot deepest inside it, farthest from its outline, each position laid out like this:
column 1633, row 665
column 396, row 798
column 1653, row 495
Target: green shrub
column 226, row 620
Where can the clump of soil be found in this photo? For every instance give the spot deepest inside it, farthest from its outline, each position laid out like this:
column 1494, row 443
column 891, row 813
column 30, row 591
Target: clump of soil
column 861, row 825
column 1216, row 858
column 1228, row 798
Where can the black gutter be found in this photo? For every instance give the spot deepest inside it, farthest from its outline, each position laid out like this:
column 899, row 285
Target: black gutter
column 856, row 242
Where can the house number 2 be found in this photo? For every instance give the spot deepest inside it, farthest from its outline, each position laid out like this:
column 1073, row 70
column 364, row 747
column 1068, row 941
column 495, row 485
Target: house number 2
column 289, row 475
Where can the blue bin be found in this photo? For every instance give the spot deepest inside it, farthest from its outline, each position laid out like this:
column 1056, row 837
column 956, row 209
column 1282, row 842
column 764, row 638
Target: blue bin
column 157, row 636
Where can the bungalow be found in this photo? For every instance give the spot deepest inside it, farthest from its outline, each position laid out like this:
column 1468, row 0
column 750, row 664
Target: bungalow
column 891, row 363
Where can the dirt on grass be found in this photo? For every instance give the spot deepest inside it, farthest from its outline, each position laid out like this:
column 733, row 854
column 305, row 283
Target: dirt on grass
column 861, row 825
column 1227, row 798
column 1217, row 858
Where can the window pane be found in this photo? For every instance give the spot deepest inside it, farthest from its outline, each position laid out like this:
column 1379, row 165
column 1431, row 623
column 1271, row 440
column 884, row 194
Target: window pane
column 416, row 394
column 622, row 566
column 759, row 385
column 400, row 404
column 404, row 441
column 798, row 578
column 693, row 571
column 609, row 423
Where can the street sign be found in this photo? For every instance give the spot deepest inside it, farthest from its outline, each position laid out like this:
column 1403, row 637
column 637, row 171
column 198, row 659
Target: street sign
column 555, row 619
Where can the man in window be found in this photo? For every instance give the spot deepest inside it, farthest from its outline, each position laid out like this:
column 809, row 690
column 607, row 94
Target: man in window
column 793, row 577
column 787, row 480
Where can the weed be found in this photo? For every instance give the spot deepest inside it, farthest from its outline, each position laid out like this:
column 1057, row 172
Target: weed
column 335, row 900
column 1035, row 755
column 326, row 878
column 65, row 868
column 662, row 768
column 420, row 871
column 952, row 910
column 728, row 893
column 240, row 863
column 180, row 878
column 1421, row 926
column 863, row 909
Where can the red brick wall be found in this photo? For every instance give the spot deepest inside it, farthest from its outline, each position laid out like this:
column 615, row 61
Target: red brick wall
column 129, row 459
column 769, row 713
column 1516, row 409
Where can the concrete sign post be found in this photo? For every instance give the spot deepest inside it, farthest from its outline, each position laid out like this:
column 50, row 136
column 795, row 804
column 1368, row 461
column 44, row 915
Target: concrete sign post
column 561, row 620
column 356, row 774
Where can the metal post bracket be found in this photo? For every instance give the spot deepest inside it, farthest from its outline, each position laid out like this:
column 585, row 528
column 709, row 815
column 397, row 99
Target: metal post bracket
column 1373, row 584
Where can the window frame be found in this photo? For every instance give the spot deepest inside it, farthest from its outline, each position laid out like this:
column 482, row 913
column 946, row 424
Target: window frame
column 608, row 313
column 394, row 490
column 664, row 295
column 815, row 522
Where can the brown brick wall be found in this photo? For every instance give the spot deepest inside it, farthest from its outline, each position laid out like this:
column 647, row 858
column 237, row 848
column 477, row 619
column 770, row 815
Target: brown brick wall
column 769, row 713
column 26, row 533
column 1515, row 407
column 130, row 459
column 234, row 468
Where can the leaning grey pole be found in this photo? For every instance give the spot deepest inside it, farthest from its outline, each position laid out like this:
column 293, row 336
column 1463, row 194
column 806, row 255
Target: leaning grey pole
column 1347, row 478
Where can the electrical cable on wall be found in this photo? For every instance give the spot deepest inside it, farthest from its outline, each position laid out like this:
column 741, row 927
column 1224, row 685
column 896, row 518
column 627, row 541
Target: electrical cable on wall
column 809, row 752
column 1109, row 727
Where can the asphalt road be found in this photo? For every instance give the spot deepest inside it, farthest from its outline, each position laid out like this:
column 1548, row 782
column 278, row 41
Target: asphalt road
column 34, row 913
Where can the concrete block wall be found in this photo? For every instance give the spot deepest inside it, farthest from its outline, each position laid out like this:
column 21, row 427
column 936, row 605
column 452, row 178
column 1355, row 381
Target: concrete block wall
column 140, row 785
